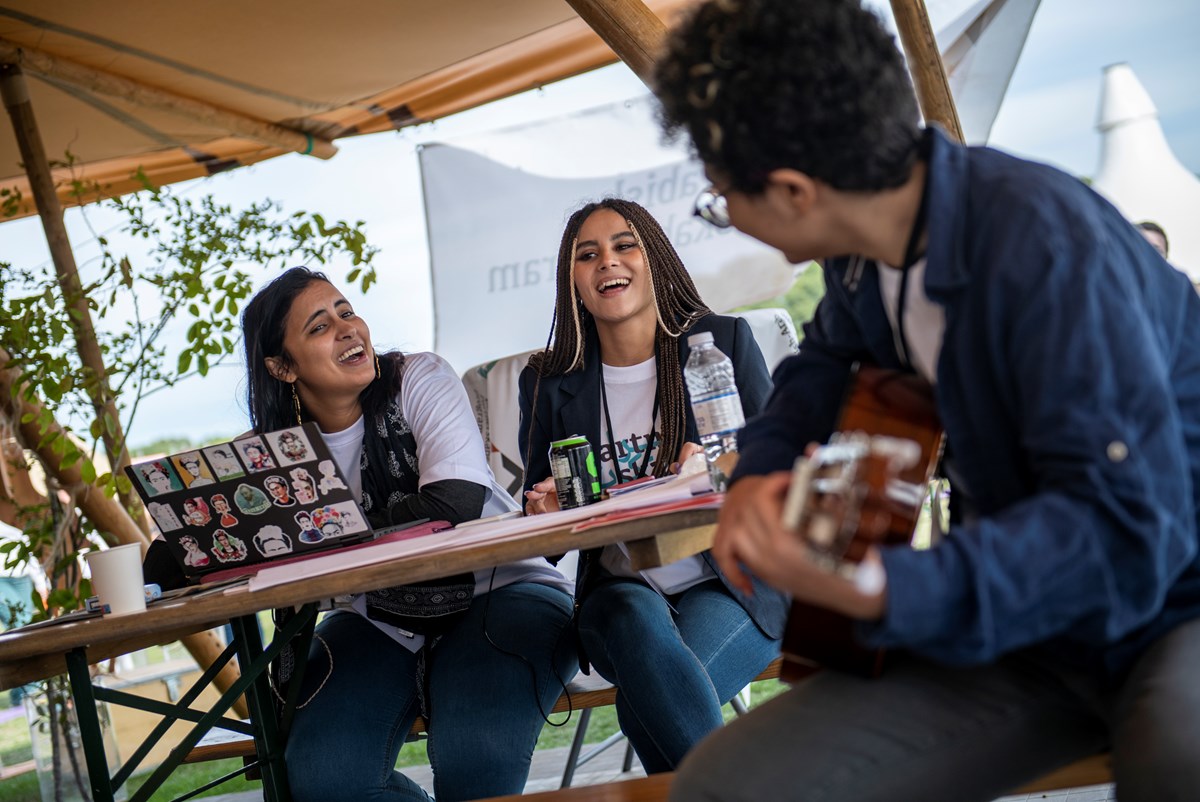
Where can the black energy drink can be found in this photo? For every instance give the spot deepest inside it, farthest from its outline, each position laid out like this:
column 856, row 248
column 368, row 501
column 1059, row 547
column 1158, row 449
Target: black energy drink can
column 573, row 466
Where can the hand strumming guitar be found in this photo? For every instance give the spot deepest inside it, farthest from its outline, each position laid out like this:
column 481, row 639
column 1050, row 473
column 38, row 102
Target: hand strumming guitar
column 750, row 536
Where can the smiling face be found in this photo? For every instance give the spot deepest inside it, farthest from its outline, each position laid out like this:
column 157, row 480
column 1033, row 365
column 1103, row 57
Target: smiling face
column 329, row 347
column 611, row 274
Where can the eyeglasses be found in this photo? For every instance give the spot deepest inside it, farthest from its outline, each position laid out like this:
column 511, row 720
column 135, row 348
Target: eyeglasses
column 711, row 208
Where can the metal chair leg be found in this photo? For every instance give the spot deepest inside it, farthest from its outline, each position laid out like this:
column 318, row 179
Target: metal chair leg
column 576, row 744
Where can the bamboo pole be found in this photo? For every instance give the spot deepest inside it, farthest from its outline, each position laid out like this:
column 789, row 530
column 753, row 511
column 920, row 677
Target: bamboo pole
column 105, row 513
column 631, row 29
column 925, row 65
column 15, row 93
column 42, row 63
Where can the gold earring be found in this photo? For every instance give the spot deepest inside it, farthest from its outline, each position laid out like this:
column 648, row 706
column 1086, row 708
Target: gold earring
column 377, row 374
column 296, row 404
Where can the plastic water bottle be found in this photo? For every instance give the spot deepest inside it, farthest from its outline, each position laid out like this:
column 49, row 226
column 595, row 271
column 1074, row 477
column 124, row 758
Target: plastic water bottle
column 716, row 404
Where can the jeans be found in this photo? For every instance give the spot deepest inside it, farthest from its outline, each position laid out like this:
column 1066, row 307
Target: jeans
column 673, row 670
column 934, row 733
column 485, row 715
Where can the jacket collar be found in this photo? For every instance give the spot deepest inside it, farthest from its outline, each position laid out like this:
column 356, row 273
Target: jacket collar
column 580, row 405
column 946, row 268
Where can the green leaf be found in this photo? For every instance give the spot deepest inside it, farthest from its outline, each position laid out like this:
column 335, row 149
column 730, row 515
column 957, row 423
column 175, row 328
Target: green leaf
column 185, row 362
column 61, row 597
column 87, row 471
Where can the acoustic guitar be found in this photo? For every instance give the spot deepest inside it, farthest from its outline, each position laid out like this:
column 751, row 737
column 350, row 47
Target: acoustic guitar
column 865, row 487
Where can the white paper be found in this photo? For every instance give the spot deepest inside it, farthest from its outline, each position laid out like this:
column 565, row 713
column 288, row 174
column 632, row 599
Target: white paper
column 681, row 488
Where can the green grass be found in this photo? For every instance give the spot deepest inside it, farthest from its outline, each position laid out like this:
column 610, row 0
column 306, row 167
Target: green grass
column 193, row 775
column 14, row 742
column 22, row 788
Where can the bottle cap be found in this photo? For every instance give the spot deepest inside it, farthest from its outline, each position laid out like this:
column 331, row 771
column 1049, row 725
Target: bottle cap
column 700, row 338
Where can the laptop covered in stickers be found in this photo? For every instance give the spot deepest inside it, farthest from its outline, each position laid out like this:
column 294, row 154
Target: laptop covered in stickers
column 256, row 499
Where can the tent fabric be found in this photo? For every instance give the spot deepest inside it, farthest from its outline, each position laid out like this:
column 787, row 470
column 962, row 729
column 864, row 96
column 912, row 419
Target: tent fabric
column 322, row 71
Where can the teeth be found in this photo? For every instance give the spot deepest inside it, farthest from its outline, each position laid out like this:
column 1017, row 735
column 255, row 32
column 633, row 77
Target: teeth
column 613, row 282
column 355, row 351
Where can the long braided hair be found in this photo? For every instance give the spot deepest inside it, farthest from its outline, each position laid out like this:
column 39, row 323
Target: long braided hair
column 676, row 302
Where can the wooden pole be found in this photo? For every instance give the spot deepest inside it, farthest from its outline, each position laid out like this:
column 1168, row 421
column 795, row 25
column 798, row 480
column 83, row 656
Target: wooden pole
column 41, row 63
column 631, row 29
column 925, row 65
column 15, row 94
column 105, row 514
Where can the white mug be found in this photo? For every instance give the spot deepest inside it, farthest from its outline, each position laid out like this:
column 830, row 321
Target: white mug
column 117, row 578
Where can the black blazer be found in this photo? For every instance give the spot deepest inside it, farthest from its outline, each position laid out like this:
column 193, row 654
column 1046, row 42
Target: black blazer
column 570, row 404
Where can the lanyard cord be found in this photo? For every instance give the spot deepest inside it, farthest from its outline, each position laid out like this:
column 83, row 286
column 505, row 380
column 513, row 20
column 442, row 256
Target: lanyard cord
column 911, row 256
column 612, row 445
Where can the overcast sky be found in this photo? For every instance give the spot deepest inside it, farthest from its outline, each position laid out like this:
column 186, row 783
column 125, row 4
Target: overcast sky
column 1048, row 115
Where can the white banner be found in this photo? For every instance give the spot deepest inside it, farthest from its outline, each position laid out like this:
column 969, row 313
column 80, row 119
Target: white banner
column 494, row 233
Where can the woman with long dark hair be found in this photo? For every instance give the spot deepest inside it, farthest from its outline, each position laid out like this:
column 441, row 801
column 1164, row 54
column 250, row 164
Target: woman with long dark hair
column 677, row 641
column 482, row 667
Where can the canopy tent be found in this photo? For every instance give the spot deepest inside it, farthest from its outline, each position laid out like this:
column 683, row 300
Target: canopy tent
column 1140, row 173
column 183, row 91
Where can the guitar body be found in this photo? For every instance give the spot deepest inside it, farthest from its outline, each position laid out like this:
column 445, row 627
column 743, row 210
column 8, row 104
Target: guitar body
column 880, row 403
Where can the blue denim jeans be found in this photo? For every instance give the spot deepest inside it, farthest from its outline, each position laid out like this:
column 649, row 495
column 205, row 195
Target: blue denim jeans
column 485, row 715
column 673, row 669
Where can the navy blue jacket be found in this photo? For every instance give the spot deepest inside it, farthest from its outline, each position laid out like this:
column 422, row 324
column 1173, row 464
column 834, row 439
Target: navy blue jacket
column 1069, row 388
column 570, row 404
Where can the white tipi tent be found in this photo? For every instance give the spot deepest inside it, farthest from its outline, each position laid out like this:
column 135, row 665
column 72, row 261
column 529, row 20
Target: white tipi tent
column 1139, row 173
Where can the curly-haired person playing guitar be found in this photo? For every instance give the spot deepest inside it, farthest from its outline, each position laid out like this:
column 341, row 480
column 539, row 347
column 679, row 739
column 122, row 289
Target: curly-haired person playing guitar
column 1061, row 615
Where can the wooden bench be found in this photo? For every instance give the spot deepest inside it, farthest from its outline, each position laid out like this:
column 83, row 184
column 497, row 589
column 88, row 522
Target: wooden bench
column 1094, row 770
column 643, row 789
column 584, row 693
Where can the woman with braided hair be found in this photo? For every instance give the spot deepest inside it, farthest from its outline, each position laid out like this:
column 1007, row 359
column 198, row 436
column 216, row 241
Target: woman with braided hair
column 677, row 641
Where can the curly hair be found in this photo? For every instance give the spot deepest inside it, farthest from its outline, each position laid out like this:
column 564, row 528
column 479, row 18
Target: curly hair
column 676, row 300
column 817, row 86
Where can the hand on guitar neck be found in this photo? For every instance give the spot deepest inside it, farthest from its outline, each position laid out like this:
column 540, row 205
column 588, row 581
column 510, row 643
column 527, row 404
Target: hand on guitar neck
column 751, row 534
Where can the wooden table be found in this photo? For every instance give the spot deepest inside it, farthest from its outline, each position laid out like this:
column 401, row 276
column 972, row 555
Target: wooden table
column 71, row 647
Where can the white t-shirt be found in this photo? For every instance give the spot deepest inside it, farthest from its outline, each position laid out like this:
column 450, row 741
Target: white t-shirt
column 449, row 446
column 924, row 330
column 630, row 394
column 924, row 321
